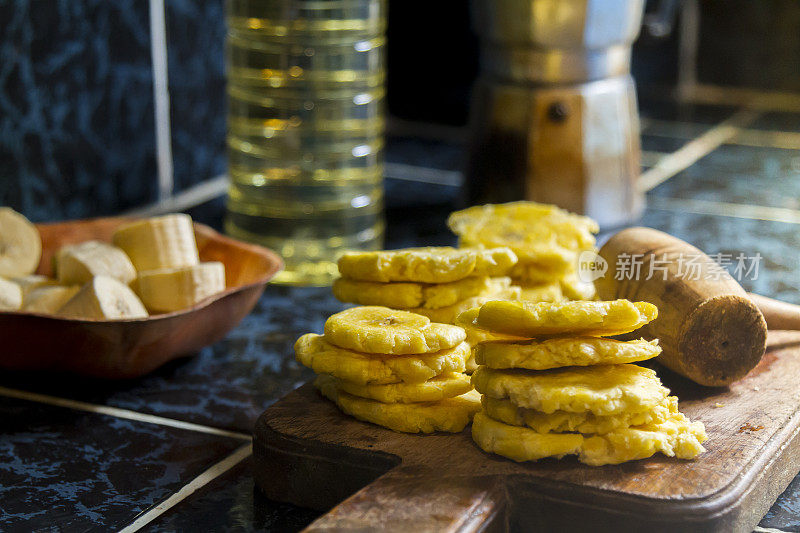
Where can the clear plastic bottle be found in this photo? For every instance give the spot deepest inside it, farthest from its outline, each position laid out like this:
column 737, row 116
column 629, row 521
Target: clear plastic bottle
column 306, row 87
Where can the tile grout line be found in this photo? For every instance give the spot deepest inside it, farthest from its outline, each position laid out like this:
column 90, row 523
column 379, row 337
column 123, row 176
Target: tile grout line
column 158, row 54
column 191, row 197
column 119, row 413
column 728, row 209
column 650, row 157
column 695, row 149
column 217, row 186
column 745, row 136
column 433, row 176
column 688, row 45
column 215, row 471
column 786, row 140
column 759, row 100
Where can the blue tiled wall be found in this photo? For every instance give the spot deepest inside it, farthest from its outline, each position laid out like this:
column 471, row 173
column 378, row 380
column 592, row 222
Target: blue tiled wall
column 76, row 88
column 196, row 35
column 77, row 133
column 76, row 107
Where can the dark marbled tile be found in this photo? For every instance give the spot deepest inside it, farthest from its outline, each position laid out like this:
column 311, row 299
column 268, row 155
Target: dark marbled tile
column 225, row 385
column 749, row 44
column 785, row 513
column 425, row 153
column 421, row 226
column 777, row 242
column 196, row 42
column 742, row 175
column 76, row 108
column 230, row 383
column 211, row 213
column 76, row 471
column 663, row 144
column 778, row 121
column 233, row 503
column 416, row 212
column 402, row 194
column 680, row 130
column 671, row 110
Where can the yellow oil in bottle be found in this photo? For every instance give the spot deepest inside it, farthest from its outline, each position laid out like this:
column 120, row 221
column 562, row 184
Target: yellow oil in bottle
column 305, row 129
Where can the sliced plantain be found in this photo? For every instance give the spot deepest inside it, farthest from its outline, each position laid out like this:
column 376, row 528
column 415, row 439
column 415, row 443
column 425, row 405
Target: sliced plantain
column 103, row 298
column 381, row 330
column 674, row 437
column 527, row 319
column 322, row 357
column 48, row 299
column 558, row 352
column 396, row 295
column 539, row 231
column 521, row 443
column 160, row 242
column 20, row 244
column 437, row 388
column 575, row 289
column 507, row 412
column 450, row 414
column 536, row 271
column 540, row 292
column 10, row 295
column 32, row 281
column 426, row 265
column 171, row 289
column 602, row 390
column 448, row 315
column 405, row 295
column 467, row 320
column 77, row 264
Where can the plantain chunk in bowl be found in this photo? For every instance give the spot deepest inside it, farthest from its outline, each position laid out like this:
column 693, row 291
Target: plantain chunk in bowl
column 119, row 297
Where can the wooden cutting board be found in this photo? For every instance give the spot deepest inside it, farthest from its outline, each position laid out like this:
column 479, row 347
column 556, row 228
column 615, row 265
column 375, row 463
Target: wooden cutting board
column 308, row 453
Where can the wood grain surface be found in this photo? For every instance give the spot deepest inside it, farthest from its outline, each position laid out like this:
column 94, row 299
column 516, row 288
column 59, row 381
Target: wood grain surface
column 308, row 453
column 779, row 315
column 708, row 327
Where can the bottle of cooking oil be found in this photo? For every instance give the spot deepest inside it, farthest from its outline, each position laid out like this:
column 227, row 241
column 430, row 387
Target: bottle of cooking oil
column 306, row 85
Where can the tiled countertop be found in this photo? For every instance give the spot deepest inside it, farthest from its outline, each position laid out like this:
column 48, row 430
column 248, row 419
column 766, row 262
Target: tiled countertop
column 81, row 455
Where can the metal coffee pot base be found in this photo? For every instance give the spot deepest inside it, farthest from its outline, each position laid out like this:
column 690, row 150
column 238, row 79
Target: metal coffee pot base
column 576, row 146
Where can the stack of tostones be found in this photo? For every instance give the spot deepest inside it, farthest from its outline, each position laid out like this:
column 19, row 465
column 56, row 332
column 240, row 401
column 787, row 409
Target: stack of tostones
column 437, row 282
column 546, row 239
column 393, row 368
column 552, row 384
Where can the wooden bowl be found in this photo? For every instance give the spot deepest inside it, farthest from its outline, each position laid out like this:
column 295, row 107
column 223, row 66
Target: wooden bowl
column 133, row 347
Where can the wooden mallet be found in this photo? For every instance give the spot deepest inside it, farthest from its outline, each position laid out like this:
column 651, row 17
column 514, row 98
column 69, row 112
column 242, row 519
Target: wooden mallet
column 710, row 329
